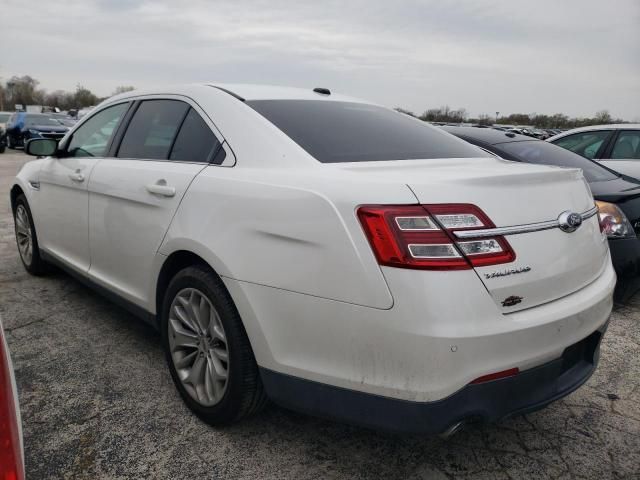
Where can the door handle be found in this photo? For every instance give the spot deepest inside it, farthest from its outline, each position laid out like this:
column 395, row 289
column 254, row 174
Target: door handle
column 77, row 176
column 161, row 188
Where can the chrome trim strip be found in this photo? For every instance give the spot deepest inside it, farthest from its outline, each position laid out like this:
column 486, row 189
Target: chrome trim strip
column 589, row 213
column 516, row 229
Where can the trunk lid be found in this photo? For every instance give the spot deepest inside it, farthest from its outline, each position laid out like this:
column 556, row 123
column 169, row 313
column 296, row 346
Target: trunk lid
column 549, row 263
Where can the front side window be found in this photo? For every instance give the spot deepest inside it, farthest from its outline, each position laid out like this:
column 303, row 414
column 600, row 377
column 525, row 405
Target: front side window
column 586, row 144
column 627, row 145
column 195, row 142
column 152, row 129
column 92, row 138
column 334, row 132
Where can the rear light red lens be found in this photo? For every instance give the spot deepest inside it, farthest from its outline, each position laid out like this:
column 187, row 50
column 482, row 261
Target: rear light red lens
column 512, row 372
column 396, row 244
column 11, row 467
column 423, row 236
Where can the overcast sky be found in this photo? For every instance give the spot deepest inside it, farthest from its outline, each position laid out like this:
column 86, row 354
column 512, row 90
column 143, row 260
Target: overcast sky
column 544, row 56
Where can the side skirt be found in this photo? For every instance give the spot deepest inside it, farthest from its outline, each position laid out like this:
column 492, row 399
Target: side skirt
column 128, row 305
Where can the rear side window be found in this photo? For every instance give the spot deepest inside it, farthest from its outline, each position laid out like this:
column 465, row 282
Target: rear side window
column 334, row 132
column 627, row 145
column 543, row 153
column 152, row 129
column 195, row 142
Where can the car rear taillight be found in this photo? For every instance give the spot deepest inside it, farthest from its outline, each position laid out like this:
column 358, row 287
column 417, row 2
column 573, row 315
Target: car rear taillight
column 11, row 467
column 422, row 236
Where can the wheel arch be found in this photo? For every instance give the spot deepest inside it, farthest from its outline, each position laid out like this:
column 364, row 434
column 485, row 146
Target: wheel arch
column 15, row 192
column 183, row 258
column 173, row 264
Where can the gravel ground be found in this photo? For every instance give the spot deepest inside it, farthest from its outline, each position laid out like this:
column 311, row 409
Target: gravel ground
column 98, row 402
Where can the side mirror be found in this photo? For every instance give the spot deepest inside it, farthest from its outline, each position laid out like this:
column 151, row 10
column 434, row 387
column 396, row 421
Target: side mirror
column 41, row 147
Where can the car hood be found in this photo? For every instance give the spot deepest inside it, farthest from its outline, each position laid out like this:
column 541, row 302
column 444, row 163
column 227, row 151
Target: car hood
column 617, row 190
column 47, row 128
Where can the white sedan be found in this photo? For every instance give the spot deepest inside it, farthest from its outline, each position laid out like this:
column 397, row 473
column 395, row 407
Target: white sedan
column 614, row 146
column 332, row 255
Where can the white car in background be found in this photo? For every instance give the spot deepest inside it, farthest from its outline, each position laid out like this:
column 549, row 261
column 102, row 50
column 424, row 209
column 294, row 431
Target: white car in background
column 11, row 452
column 615, row 146
column 337, row 257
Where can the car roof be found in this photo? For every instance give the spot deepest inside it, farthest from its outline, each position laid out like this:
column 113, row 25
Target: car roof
column 489, row 136
column 612, row 126
column 273, row 92
column 242, row 91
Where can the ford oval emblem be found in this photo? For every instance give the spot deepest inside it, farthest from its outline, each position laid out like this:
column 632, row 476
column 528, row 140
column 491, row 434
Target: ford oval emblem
column 569, row 221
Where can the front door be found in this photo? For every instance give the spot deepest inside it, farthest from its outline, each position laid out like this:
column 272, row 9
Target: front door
column 63, row 228
column 133, row 197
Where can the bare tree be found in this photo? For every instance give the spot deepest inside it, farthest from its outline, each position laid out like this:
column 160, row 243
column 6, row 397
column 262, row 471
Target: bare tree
column 603, row 117
column 122, row 89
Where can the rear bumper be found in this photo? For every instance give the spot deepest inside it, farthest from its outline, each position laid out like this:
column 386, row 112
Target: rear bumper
column 441, row 333
column 625, row 256
column 530, row 390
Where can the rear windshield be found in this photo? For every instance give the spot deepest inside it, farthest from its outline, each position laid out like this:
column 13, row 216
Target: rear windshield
column 334, row 132
column 537, row 151
column 35, row 119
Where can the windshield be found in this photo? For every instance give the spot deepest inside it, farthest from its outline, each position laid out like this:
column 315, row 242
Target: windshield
column 335, row 132
column 4, row 117
column 41, row 120
column 543, row 153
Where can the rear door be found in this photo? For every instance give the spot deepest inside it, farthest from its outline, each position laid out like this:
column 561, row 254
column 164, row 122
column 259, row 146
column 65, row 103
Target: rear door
column 63, row 226
column 133, row 197
column 623, row 153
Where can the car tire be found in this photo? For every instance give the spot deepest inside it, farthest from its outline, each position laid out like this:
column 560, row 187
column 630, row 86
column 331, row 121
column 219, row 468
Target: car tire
column 200, row 327
column 26, row 238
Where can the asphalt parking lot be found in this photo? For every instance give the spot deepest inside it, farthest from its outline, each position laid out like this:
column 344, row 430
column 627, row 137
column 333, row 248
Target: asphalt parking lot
column 98, row 402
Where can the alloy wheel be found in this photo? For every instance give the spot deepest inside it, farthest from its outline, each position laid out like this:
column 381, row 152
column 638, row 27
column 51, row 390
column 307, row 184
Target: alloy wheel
column 198, row 346
column 23, row 234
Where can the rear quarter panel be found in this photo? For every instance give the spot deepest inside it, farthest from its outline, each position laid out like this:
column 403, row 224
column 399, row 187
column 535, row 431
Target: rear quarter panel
column 271, row 227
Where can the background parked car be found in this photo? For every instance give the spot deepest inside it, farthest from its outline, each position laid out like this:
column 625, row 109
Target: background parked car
column 11, row 454
column 617, row 196
column 65, row 119
column 4, row 117
column 616, row 146
column 23, row 126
